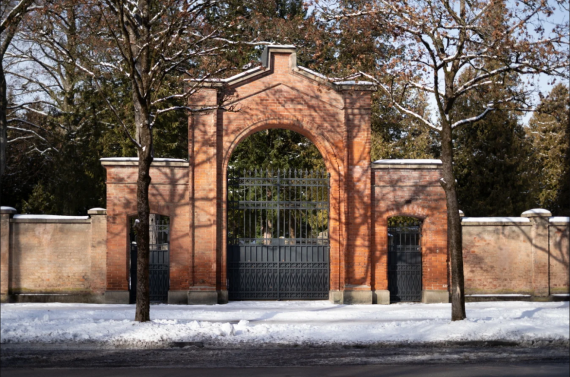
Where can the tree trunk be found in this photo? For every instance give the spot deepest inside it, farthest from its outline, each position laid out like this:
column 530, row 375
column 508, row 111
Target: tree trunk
column 142, row 313
column 454, row 241
column 3, row 121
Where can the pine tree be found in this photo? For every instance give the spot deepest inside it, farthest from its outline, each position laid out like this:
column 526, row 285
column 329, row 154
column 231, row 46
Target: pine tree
column 549, row 130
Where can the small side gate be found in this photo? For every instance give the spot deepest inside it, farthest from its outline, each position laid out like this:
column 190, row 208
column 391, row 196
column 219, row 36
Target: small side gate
column 278, row 244
column 405, row 261
column 159, row 263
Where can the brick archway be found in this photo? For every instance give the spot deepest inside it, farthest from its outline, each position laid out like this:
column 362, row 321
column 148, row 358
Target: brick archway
column 336, row 193
column 335, row 117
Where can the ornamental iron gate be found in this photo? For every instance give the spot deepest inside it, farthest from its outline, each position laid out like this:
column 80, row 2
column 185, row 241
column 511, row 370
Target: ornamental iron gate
column 404, row 260
column 278, row 242
column 159, row 261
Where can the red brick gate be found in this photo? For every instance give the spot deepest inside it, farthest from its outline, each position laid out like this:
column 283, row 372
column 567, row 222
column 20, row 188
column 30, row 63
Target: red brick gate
column 335, row 116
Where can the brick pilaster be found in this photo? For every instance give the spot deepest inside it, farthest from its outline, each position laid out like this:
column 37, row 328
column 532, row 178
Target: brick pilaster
column 540, row 251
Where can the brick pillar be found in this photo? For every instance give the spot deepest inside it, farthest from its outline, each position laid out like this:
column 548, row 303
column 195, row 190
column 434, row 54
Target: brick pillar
column 98, row 252
column 204, row 202
column 540, row 251
column 5, row 213
column 358, row 286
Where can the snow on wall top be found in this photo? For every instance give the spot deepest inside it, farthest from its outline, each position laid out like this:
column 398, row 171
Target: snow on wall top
column 495, row 219
column 404, row 161
column 536, row 211
column 136, row 159
column 6, row 208
column 313, row 72
column 353, row 82
column 559, row 219
column 51, row 217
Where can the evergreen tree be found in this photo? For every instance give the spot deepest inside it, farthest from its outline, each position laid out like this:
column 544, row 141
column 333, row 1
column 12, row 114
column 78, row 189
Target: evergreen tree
column 549, row 130
column 491, row 158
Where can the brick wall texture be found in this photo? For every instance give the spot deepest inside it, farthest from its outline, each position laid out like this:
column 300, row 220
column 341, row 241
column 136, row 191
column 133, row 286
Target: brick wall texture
column 415, row 193
column 54, row 256
column 516, row 258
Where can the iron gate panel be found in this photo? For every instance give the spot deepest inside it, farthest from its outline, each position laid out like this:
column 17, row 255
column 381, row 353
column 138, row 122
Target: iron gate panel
column 278, row 246
column 404, row 263
column 159, row 264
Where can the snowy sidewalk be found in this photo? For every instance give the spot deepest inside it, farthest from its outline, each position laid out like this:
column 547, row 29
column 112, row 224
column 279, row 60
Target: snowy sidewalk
column 289, row 323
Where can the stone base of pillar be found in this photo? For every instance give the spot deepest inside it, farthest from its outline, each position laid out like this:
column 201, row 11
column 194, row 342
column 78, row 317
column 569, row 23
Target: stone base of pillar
column 357, row 297
column 202, row 297
column 223, row 297
column 435, row 297
column 177, row 297
column 116, row 297
column 381, row 297
column 335, row 297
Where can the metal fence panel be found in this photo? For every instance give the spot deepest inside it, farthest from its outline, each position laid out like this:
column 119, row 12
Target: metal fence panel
column 405, row 262
column 278, row 245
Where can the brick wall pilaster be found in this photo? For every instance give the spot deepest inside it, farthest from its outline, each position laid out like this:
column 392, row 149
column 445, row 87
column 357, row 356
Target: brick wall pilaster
column 204, row 179
column 98, row 250
column 540, row 251
column 358, row 263
column 5, row 213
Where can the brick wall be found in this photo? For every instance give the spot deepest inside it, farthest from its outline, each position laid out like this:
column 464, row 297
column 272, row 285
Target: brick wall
column 517, row 255
column 559, row 258
column 57, row 258
column 280, row 95
column 168, row 196
column 407, row 188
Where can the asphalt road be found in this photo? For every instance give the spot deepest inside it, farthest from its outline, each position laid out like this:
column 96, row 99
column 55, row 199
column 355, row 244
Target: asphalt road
column 19, row 358
column 440, row 370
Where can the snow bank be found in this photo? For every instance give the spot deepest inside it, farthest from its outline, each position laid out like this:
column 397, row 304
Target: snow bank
column 310, row 323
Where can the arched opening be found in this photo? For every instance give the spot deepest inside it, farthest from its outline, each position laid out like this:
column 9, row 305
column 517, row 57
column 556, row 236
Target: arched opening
column 277, row 219
column 404, row 259
column 159, row 259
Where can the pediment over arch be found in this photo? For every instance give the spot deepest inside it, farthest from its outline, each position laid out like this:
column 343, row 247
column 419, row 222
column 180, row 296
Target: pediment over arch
column 279, row 67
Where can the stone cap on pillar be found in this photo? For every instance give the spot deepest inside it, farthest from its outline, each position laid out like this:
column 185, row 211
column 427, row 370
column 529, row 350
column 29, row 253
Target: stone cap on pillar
column 97, row 211
column 536, row 212
column 8, row 210
column 461, row 214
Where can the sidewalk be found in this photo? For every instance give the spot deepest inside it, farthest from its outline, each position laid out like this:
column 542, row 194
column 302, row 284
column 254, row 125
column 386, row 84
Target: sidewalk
column 313, row 323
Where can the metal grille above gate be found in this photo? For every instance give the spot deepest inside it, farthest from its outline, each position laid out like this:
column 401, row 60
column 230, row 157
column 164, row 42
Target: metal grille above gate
column 159, row 262
column 278, row 243
column 405, row 261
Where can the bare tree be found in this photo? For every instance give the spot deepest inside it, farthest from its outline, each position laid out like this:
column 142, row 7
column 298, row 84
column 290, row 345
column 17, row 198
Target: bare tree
column 440, row 39
column 146, row 43
column 11, row 15
column 44, row 78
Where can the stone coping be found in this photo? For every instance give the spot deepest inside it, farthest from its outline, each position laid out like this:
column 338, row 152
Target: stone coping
column 537, row 212
column 51, row 220
column 406, row 164
column 495, row 221
column 134, row 161
column 8, row 210
column 559, row 220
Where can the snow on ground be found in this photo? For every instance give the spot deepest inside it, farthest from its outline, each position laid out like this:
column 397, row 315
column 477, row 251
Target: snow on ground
column 290, row 322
